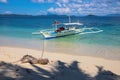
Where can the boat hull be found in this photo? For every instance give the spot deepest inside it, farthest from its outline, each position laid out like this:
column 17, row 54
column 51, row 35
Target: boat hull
column 53, row 34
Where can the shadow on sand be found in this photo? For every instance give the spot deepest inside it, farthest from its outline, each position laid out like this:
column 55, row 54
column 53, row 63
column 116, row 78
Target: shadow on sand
column 60, row 71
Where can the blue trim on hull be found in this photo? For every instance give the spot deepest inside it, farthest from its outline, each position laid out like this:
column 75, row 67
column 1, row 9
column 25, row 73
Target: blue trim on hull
column 61, row 36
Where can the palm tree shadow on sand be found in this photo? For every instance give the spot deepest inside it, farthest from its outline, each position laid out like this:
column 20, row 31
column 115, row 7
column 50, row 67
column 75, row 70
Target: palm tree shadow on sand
column 60, row 71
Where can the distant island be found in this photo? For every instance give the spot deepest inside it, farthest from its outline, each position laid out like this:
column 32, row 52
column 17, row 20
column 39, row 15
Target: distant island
column 113, row 15
column 22, row 15
column 53, row 15
column 91, row 15
column 12, row 15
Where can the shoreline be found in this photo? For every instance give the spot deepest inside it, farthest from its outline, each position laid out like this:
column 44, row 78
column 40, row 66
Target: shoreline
column 100, row 51
column 29, row 50
column 109, row 52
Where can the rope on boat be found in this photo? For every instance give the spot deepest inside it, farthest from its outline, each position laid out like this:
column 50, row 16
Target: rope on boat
column 42, row 42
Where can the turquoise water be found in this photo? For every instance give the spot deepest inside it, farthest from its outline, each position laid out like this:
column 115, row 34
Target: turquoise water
column 17, row 31
column 23, row 27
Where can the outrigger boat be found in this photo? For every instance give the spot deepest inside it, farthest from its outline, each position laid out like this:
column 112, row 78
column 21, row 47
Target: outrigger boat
column 65, row 29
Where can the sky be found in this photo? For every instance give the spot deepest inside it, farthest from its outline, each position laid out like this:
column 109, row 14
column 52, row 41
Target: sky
column 60, row 7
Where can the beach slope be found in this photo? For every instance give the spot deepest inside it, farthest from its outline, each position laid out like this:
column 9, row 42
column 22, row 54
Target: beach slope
column 60, row 67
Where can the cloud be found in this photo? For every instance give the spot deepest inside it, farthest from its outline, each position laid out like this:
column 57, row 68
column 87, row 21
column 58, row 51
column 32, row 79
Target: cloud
column 76, row 7
column 3, row 1
column 59, row 10
column 42, row 1
column 59, row 4
column 8, row 12
column 38, row 1
column 41, row 13
column 118, row 3
column 50, row 1
column 63, row 1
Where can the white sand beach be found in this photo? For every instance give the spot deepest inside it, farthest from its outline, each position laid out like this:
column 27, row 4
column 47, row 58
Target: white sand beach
column 61, row 66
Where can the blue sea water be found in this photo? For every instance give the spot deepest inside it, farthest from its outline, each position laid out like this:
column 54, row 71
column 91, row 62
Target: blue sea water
column 23, row 27
column 17, row 31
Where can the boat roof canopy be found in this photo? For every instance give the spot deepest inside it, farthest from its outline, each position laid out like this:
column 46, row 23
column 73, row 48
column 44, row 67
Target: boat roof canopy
column 69, row 24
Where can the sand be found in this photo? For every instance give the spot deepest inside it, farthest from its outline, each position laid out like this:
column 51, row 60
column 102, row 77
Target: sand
column 61, row 66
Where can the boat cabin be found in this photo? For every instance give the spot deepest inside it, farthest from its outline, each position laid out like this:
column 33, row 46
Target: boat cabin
column 67, row 26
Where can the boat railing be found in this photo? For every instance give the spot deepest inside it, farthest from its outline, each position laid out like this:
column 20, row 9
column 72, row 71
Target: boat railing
column 46, row 30
column 91, row 30
column 39, row 32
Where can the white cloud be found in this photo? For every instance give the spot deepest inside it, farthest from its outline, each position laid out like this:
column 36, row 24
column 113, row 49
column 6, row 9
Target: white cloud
column 42, row 1
column 64, row 5
column 59, row 10
column 79, row 10
column 41, row 13
column 3, row 1
column 89, row 5
column 82, row 6
column 39, row 1
column 50, row 0
column 74, row 5
column 104, row 5
column 59, row 4
column 63, row 1
column 8, row 12
column 118, row 3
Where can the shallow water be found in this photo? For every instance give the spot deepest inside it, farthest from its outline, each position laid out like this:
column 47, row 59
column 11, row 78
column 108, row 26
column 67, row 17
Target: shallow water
column 18, row 32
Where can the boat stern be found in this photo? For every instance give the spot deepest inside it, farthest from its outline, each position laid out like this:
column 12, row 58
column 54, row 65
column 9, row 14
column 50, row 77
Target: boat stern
column 48, row 34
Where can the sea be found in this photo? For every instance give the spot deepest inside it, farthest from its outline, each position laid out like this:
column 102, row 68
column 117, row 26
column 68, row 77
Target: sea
column 17, row 32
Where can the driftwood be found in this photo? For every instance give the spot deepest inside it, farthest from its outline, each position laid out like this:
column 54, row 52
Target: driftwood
column 29, row 59
column 32, row 60
column 43, row 61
